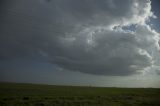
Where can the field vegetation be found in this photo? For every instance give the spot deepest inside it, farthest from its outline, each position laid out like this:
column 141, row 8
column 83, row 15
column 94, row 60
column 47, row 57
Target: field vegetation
column 14, row 94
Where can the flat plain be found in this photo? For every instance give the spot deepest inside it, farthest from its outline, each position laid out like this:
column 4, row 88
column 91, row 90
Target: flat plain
column 21, row 94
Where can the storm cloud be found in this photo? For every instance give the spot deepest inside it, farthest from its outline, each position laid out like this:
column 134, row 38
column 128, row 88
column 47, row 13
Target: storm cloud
column 81, row 35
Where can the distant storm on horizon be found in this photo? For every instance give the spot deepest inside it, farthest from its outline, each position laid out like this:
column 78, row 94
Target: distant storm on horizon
column 112, row 43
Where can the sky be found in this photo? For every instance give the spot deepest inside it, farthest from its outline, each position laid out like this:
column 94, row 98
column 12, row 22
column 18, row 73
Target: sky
column 106, row 43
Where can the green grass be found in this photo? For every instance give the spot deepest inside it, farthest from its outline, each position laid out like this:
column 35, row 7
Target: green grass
column 14, row 94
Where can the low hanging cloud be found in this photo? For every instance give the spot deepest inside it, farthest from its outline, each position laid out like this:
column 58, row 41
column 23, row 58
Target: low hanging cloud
column 81, row 35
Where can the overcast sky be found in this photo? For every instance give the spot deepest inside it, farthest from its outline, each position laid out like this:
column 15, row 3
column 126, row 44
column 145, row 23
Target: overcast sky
column 80, row 42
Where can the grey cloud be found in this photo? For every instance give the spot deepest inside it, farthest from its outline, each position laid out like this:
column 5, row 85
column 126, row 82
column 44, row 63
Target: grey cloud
column 113, row 53
column 158, row 72
column 76, row 35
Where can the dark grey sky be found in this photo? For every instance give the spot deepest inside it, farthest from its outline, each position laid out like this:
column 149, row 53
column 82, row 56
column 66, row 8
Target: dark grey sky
column 87, row 42
column 155, row 9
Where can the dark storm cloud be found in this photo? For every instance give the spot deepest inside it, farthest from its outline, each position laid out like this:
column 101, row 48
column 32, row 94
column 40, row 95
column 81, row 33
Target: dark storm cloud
column 80, row 35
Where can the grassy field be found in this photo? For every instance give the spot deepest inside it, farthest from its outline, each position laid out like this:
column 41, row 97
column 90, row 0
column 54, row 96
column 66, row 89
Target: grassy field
column 14, row 94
